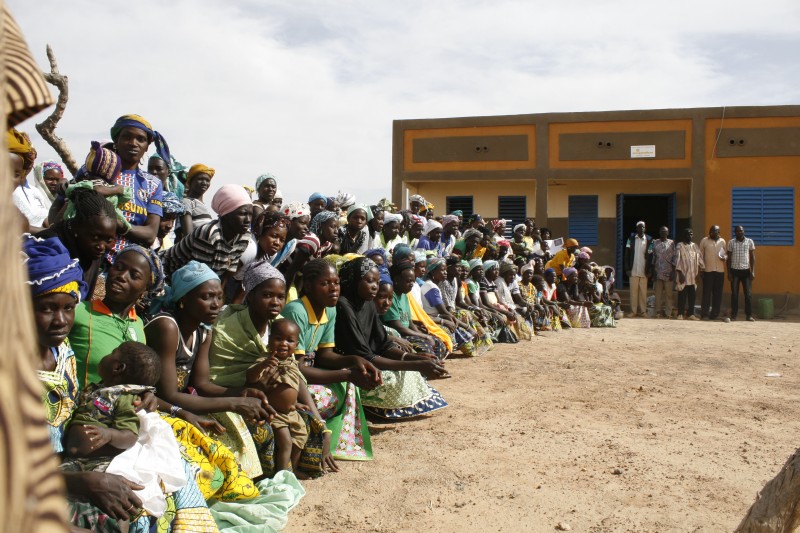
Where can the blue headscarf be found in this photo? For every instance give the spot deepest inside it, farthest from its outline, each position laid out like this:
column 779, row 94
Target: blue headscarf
column 184, row 280
column 172, row 204
column 50, row 268
column 318, row 196
column 264, row 177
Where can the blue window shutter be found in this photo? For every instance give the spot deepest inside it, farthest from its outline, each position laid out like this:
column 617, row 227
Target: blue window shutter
column 513, row 209
column 767, row 214
column 583, row 220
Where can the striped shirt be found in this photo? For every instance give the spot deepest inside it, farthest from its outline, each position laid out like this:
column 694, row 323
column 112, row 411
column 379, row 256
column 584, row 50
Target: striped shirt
column 740, row 253
column 207, row 245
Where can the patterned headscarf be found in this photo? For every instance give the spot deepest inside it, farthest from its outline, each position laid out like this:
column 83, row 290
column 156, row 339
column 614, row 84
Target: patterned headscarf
column 103, row 163
column 472, row 232
column 474, row 217
column 448, row 219
column 156, row 270
column 402, row 253
column 350, row 275
column 319, row 219
column 136, row 121
column 432, row 264
column 257, row 273
column 172, row 204
column 417, row 198
column 345, row 200
column 197, row 169
column 184, row 280
column 51, row 269
column 295, row 210
column 264, row 177
column 497, row 223
column 567, row 272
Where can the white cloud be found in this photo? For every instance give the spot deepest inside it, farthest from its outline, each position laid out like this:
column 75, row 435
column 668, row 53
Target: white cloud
column 308, row 90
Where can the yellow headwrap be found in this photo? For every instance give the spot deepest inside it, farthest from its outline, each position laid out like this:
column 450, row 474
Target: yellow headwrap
column 68, row 288
column 199, row 168
column 19, row 143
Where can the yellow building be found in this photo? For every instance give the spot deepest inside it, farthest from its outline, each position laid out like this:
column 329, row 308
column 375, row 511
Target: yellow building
column 594, row 175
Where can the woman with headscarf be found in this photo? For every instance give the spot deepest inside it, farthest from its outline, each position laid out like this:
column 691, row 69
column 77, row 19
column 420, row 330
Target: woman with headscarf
column 163, row 171
column 404, row 392
column 453, row 296
column 221, row 242
column 519, row 245
column 433, row 304
column 173, row 210
column 415, row 225
column 103, row 324
column 467, row 246
column 576, row 304
column 198, row 180
column 180, row 334
column 374, row 227
column 345, row 200
column 266, row 188
column 600, row 314
column 132, row 136
column 431, row 238
column 334, row 380
column 354, row 236
column 317, row 202
column 390, row 234
column 47, row 176
column 449, row 236
column 95, row 498
column 30, row 201
column 268, row 242
column 489, row 295
column 239, row 341
column 477, row 287
column 325, row 225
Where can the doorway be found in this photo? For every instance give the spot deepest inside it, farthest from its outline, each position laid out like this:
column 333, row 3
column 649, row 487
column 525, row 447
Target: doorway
column 655, row 210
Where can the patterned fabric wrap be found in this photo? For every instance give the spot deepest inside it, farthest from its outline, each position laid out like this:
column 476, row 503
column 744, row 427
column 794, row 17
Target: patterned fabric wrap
column 405, row 389
column 50, row 267
column 172, row 204
column 295, row 210
column 103, row 163
column 340, row 406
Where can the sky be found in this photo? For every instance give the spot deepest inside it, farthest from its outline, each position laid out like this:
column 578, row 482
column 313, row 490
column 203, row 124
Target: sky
column 308, row 90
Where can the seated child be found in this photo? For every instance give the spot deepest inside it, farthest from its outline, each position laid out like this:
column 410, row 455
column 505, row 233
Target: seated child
column 283, row 392
column 105, row 423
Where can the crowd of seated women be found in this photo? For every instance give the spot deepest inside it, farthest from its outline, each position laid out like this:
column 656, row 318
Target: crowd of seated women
column 267, row 335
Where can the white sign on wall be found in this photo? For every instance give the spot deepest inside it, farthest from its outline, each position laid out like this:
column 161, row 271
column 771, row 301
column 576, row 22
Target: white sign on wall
column 646, row 150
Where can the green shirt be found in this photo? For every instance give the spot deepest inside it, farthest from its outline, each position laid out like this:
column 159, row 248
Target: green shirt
column 235, row 346
column 315, row 332
column 400, row 310
column 96, row 333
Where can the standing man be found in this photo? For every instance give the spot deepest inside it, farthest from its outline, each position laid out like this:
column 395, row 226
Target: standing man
column 688, row 263
column 664, row 267
column 713, row 250
column 741, row 269
column 638, row 252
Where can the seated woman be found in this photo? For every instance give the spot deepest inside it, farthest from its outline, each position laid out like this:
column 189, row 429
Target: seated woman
column 497, row 321
column 577, row 306
column 454, row 298
column 96, row 499
column 180, row 334
column 399, row 317
column 354, row 236
column 487, row 288
column 102, row 325
column 269, row 241
column 467, row 246
column 404, row 392
column 375, row 226
column 431, row 238
column 550, row 296
column 390, row 234
column 530, row 289
column 508, row 295
column 239, row 341
column 325, row 226
column 600, row 314
column 198, row 180
column 334, row 380
column 433, row 304
column 266, row 187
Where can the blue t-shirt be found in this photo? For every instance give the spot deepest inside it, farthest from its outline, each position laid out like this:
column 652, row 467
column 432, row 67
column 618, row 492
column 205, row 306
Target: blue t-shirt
column 147, row 195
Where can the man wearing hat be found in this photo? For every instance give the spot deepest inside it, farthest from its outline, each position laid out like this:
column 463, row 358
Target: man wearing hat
column 638, row 254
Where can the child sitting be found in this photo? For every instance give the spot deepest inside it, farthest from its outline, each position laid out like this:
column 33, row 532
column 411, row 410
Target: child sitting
column 105, row 423
column 283, row 391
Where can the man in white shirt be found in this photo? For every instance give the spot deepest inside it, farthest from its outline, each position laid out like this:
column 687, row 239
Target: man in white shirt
column 638, row 251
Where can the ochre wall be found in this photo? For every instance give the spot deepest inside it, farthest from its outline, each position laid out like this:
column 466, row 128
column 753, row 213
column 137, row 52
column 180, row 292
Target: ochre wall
column 484, row 194
column 724, row 173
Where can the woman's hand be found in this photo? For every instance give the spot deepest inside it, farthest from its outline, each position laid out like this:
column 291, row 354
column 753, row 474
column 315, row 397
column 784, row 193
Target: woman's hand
column 112, row 494
column 203, row 423
column 364, row 375
column 403, row 344
column 328, row 462
column 253, row 405
column 147, row 401
column 431, row 369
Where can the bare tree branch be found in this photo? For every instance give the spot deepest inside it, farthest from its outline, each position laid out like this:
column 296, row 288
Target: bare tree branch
column 47, row 128
column 777, row 506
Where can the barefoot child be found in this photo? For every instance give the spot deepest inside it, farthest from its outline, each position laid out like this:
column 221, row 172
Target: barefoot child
column 105, row 423
column 283, row 392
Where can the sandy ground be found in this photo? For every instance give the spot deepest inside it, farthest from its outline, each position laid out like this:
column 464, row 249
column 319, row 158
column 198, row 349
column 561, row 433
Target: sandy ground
column 656, row 425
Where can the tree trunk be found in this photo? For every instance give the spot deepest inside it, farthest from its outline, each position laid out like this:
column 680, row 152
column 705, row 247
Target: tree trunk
column 47, row 128
column 777, row 506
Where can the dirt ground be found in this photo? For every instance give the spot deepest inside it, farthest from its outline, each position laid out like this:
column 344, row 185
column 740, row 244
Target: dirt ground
column 654, row 426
